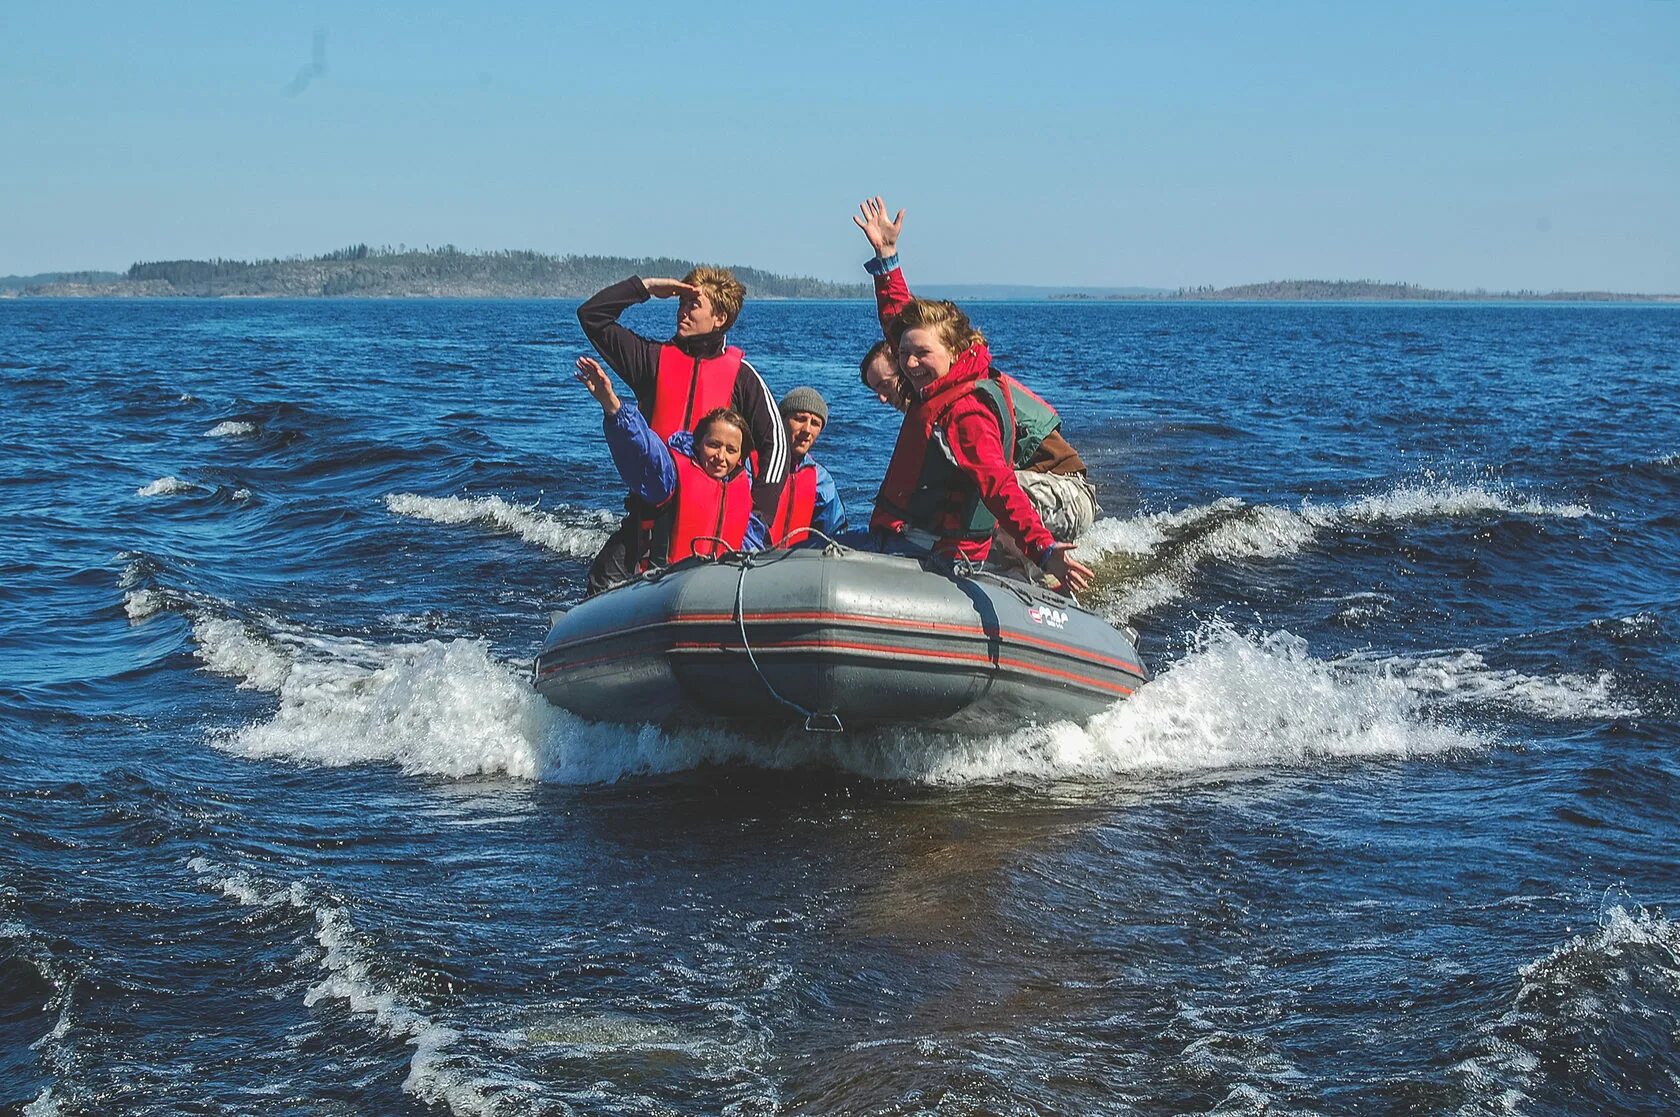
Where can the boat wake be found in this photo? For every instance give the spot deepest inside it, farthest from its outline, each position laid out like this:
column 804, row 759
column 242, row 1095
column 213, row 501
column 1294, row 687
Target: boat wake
column 167, row 486
column 1465, row 678
column 231, row 428
column 1592, row 1005
column 549, row 530
column 1153, row 558
column 349, row 976
column 451, row 708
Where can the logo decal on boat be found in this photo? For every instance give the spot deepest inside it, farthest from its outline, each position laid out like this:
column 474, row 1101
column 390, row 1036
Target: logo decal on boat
column 1043, row 614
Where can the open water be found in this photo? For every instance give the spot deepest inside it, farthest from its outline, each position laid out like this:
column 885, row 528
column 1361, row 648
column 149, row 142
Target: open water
column 284, row 830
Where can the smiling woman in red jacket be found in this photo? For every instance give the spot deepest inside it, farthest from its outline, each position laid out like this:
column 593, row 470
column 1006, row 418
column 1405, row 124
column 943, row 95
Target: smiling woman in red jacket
column 950, row 475
column 952, row 478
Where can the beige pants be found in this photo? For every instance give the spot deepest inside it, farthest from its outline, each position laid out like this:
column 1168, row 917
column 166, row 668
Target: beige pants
column 1066, row 502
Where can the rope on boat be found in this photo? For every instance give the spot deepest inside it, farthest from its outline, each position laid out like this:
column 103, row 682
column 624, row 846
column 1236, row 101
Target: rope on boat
column 814, row 722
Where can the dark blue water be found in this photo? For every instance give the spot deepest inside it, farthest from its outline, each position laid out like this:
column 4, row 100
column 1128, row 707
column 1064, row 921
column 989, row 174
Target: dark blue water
column 285, row 830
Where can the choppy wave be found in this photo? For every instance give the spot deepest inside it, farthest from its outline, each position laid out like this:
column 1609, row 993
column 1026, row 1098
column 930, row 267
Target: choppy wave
column 1160, row 552
column 20, row 947
column 1594, row 999
column 1237, row 701
column 166, row 486
column 1465, row 678
column 137, row 566
column 349, row 974
column 231, row 428
column 43, row 1106
column 140, row 604
column 228, row 647
column 532, row 524
column 139, row 599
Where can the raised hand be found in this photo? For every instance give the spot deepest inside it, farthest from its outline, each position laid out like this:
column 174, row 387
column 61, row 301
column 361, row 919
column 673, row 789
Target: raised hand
column 669, row 288
column 593, row 377
column 882, row 232
column 1073, row 575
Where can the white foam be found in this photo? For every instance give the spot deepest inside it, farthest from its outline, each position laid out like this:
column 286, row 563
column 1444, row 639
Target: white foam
column 450, row 708
column 44, row 1105
column 1143, row 533
column 1256, row 533
column 1241, row 532
column 242, row 494
column 432, row 707
column 1464, row 678
column 166, row 486
column 140, row 604
column 1630, row 960
column 1445, row 500
column 1235, row 702
column 231, row 428
column 349, row 975
column 227, row 647
column 530, row 523
column 437, row 708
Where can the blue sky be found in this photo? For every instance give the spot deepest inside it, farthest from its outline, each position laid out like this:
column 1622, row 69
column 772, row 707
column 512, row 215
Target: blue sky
column 1509, row 145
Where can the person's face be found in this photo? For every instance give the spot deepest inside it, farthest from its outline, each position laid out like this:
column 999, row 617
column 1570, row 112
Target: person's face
column 695, row 316
column 881, row 374
column 718, row 450
column 803, row 428
column 923, row 357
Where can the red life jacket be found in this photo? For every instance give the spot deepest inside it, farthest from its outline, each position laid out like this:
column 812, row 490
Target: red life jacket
column 700, row 512
column 923, row 487
column 687, row 388
column 795, row 509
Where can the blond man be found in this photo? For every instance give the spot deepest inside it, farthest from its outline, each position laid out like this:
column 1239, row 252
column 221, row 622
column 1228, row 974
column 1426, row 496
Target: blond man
column 677, row 381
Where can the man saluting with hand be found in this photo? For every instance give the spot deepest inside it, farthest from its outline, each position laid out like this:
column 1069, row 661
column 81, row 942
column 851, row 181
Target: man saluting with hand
column 676, row 382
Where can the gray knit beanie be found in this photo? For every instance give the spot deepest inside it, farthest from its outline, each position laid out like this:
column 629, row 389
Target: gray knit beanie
column 805, row 399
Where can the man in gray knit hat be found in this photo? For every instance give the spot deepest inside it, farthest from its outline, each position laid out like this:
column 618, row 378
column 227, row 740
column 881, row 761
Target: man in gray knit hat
column 810, row 499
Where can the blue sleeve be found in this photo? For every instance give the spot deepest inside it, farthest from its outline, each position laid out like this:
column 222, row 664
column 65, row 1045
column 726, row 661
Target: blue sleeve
column 643, row 461
column 829, row 515
column 757, row 537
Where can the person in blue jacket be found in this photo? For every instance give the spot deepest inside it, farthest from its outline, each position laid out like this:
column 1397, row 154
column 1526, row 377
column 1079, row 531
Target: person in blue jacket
column 697, row 483
column 809, row 499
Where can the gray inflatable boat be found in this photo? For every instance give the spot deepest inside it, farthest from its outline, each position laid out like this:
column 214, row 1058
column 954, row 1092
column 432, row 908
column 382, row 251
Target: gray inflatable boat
column 834, row 639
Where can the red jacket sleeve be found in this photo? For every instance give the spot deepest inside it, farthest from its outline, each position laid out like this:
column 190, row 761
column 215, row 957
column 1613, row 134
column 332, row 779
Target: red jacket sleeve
column 976, row 442
column 891, row 295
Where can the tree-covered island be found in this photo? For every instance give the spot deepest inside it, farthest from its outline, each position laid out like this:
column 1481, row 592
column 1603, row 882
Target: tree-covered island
column 361, row 271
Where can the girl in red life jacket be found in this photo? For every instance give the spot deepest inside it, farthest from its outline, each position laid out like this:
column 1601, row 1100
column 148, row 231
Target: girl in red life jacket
column 950, row 473
column 697, row 481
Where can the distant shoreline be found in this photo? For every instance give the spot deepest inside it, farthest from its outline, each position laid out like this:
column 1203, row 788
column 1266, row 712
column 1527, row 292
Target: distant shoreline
column 1121, row 300
column 447, row 273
